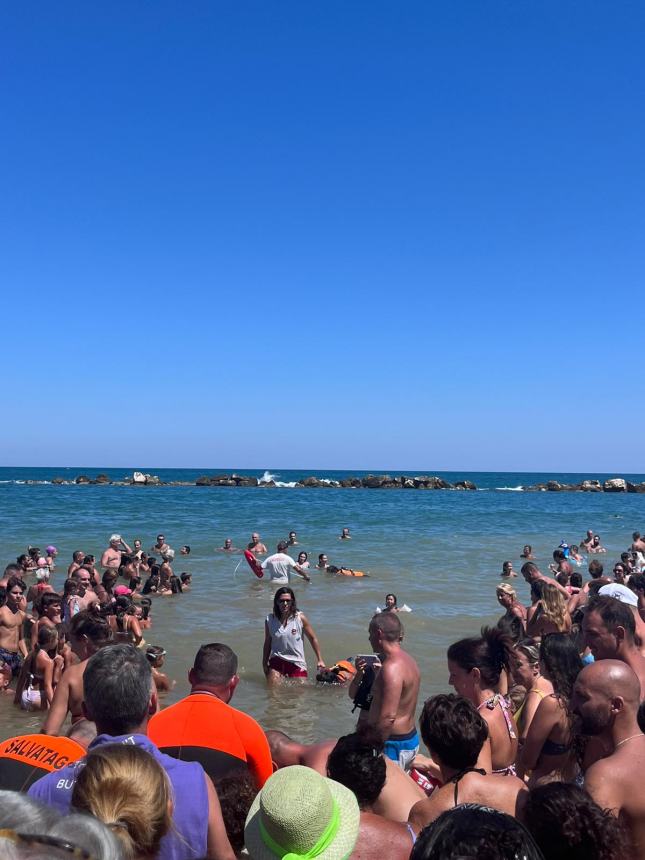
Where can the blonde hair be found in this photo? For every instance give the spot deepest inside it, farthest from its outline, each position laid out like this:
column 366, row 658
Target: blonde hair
column 553, row 606
column 507, row 589
column 127, row 789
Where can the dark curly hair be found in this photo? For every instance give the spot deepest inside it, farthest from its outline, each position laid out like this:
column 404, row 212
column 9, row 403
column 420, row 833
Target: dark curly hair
column 491, row 653
column 236, row 793
column 356, row 762
column 561, row 662
column 568, row 825
column 453, row 729
column 478, row 832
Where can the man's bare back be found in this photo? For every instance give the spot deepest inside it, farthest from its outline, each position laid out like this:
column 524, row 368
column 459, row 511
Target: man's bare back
column 379, row 838
column 67, row 697
column 395, row 694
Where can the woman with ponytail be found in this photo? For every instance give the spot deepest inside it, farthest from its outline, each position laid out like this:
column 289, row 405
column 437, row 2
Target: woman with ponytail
column 124, row 787
column 548, row 749
column 479, row 669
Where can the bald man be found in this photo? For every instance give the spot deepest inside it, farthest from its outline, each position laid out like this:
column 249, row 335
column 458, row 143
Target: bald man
column 605, row 703
column 609, row 630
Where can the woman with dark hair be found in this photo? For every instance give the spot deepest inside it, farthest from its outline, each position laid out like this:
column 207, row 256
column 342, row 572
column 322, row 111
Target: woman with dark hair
column 526, row 671
column 283, row 655
column 40, row 673
column 109, row 581
column 124, row 622
column 478, row 667
column 547, row 751
column 475, row 831
column 567, row 825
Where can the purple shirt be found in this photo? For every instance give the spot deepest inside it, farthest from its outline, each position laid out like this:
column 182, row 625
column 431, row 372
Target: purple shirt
column 188, row 838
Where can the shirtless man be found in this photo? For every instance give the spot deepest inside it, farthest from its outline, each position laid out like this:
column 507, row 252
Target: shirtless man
column 380, row 786
column 395, row 690
column 111, row 558
column 13, row 648
column 88, row 631
column 531, row 573
column 292, row 540
column 605, row 704
column 165, row 569
column 638, row 544
column 10, row 570
column 286, row 752
column 587, row 541
column 345, row 535
column 609, row 628
column 85, row 595
column 256, row 546
column 77, row 561
column 227, row 546
column 455, row 733
column 160, row 548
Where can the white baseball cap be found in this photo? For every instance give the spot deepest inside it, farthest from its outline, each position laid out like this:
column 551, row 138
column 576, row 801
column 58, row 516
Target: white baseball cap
column 619, row 592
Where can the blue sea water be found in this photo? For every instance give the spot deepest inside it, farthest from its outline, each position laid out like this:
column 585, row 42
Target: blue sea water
column 440, row 552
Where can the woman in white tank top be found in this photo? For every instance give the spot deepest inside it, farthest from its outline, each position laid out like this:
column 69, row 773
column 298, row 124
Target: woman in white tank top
column 284, row 648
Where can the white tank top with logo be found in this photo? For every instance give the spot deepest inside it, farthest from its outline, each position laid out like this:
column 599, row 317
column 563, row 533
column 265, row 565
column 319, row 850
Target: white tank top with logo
column 287, row 642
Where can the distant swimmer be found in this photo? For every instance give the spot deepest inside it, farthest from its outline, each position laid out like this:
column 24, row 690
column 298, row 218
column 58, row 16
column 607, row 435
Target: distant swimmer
column 345, row 535
column 595, row 545
column 638, row 544
column 303, row 560
column 323, row 562
column 507, row 570
column 256, row 546
column 227, row 546
column 292, row 540
column 185, row 550
column 160, row 548
column 391, row 605
column 527, row 552
column 586, row 542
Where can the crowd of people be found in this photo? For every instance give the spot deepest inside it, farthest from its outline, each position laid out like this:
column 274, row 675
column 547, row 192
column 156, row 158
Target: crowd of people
column 536, row 754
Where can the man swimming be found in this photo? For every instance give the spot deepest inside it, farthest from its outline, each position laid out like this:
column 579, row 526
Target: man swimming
column 256, row 546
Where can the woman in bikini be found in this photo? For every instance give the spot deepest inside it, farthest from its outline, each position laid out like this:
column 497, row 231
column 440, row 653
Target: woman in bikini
column 40, row 673
column 479, row 669
column 547, row 751
column 526, row 671
column 549, row 615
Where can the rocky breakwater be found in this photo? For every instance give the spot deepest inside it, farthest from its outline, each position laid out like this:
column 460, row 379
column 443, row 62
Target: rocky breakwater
column 612, row 485
column 369, row 482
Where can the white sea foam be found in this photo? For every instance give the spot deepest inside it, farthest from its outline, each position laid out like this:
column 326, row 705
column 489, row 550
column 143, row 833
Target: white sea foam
column 511, row 489
column 268, row 477
column 285, row 483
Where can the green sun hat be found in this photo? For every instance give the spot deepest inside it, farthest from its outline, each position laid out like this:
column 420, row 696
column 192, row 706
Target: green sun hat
column 301, row 815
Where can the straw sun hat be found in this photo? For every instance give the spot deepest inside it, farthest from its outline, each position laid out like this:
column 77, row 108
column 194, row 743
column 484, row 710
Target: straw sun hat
column 300, row 814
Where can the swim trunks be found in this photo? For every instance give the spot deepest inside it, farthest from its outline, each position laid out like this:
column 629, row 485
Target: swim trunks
column 13, row 661
column 284, row 667
column 402, row 748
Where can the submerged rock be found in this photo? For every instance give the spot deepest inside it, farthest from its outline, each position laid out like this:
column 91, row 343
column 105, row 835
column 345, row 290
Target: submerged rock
column 102, row 479
column 82, row 479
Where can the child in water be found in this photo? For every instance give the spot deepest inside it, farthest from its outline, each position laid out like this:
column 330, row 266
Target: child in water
column 156, row 656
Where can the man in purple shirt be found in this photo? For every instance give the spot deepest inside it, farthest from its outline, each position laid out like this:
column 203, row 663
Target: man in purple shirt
column 120, row 696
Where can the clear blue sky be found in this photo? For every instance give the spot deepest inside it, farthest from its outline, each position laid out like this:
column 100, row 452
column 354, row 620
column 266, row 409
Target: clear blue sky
column 352, row 235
